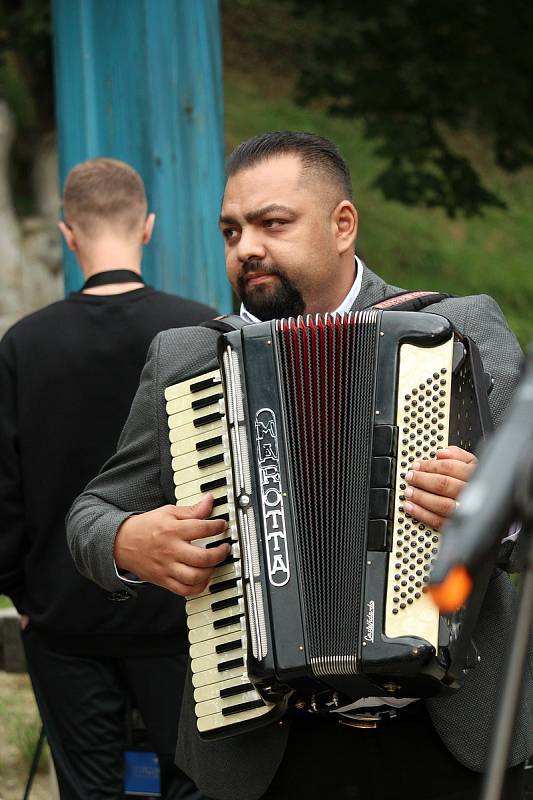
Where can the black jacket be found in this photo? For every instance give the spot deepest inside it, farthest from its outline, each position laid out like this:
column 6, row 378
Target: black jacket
column 68, row 374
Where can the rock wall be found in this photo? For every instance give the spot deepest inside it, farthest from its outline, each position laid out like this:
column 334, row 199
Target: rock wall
column 30, row 248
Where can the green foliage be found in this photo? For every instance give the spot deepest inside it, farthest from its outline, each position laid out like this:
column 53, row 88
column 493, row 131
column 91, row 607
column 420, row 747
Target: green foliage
column 25, row 65
column 412, row 247
column 26, row 83
column 413, row 72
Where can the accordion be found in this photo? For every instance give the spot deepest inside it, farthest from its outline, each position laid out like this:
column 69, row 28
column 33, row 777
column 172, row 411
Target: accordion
column 304, row 436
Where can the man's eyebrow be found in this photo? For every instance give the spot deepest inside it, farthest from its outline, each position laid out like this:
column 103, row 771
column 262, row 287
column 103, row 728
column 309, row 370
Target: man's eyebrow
column 252, row 216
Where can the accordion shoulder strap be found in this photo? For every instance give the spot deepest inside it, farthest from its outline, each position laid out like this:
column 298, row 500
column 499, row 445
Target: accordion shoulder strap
column 225, row 323
column 404, row 301
column 411, row 301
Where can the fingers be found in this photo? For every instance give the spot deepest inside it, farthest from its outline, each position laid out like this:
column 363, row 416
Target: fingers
column 428, row 508
column 434, row 481
column 190, row 574
column 434, row 485
column 433, row 474
column 457, row 453
column 192, row 529
column 203, row 557
column 200, row 510
column 183, row 589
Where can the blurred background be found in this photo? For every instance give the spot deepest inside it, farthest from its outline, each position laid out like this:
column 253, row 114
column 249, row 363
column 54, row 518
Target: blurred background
column 431, row 104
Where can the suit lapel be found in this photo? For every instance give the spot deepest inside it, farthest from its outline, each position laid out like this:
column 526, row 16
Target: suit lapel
column 373, row 290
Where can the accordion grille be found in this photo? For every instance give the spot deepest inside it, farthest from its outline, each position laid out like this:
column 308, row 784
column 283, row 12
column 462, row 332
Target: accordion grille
column 328, row 367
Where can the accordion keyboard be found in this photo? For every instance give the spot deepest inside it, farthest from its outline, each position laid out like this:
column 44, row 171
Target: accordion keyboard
column 201, row 463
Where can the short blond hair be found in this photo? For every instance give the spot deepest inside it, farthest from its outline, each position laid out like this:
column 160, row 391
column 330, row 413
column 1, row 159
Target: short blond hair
column 104, row 191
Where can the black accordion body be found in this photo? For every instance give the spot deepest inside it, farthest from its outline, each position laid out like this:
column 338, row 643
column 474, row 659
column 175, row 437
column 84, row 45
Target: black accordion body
column 304, row 437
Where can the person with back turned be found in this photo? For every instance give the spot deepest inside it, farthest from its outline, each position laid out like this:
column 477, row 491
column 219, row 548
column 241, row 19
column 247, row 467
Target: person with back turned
column 68, row 374
column 290, row 226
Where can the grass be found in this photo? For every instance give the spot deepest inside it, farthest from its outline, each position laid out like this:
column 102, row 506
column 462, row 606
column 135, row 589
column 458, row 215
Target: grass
column 19, row 731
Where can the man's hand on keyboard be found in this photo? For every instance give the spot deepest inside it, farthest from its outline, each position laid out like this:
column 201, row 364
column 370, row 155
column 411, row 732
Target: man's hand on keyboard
column 434, row 485
column 157, row 547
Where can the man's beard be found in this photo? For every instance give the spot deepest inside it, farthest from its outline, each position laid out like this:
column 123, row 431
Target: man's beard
column 265, row 302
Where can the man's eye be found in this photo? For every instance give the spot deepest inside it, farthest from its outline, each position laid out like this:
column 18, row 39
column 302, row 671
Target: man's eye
column 229, row 233
column 274, row 223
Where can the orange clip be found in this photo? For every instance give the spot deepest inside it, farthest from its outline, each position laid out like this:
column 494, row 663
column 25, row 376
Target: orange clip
column 452, row 593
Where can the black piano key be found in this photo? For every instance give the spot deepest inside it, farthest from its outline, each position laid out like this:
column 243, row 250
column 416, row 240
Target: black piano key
column 240, row 707
column 221, row 516
column 214, row 441
column 381, row 504
column 221, row 586
column 203, row 402
column 224, row 666
column 227, row 646
column 201, row 421
column 218, row 542
column 218, row 605
column 225, row 621
column 382, row 472
column 207, row 462
column 379, row 535
column 231, row 691
column 200, row 385
column 220, row 501
column 216, row 484
column 384, row 440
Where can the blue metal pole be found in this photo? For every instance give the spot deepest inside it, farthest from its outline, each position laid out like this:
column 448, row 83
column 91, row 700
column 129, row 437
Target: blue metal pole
column 141, row 80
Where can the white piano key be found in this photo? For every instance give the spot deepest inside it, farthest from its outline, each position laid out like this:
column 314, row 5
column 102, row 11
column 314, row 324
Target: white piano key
column 184, row 387
column 213, row 660
column 188, row 417
column 209, row 396
column 214, row 721
column 205, row 601
column 216, row 705
column 181, row 432
column 192, row 499
column 214, row 675
column 212, row 690
column 204, row 632
column 210, row 617
column 200, row 441
column 183, row 460
column 195, row 477
column 209, row 646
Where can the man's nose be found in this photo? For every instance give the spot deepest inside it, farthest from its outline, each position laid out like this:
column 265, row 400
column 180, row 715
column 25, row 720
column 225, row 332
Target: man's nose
column 251, row 246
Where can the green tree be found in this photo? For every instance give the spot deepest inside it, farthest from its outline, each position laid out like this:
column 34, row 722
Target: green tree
column 417, row 72
column 26, row 82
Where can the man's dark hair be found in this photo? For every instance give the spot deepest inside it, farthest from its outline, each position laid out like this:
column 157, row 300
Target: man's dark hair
column 315, row 152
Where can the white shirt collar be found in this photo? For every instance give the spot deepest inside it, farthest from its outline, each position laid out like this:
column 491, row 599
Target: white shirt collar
column 344, row 307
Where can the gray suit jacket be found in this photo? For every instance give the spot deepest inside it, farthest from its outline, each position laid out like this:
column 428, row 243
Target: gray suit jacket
column 139, row 478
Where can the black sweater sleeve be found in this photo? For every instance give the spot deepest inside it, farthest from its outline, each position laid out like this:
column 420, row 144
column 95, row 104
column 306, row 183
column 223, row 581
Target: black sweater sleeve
column 12, row 527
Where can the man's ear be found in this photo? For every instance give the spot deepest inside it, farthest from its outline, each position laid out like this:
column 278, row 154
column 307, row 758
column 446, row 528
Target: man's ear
column 68, row 236
column 148, row 228
column 345, row 219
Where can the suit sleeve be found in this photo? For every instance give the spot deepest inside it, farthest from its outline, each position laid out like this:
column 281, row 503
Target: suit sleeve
column 128, row 484
column 499, row 349
column 12, row 519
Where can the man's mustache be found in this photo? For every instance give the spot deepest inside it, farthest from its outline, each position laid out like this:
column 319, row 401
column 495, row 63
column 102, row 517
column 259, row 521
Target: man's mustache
column 259, row 266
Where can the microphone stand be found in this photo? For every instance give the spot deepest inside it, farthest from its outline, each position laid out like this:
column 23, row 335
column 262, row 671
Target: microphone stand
column 505, row 717
column 501, row 491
